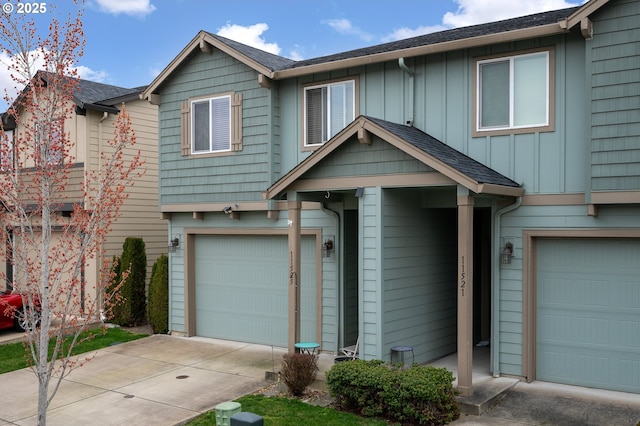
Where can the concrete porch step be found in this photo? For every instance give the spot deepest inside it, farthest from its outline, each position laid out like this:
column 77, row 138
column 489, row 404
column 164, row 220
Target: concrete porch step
column 486, row 392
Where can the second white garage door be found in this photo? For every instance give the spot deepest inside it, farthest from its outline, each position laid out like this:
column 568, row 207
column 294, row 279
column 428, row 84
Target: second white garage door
column 242, row 288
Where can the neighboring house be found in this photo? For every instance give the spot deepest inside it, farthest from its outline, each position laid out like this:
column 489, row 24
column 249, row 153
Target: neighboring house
column 476, row 185
column 91, row 126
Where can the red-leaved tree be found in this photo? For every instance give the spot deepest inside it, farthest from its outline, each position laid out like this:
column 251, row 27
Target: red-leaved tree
column 53, row 216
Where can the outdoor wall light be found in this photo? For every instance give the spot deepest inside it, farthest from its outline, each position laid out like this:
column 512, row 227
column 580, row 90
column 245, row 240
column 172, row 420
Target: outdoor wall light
column 506, row 253
column 227, row 210
column 327, row 247
column 173, row 245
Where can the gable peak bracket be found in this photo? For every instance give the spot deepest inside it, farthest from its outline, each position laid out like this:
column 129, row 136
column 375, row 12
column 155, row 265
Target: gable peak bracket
column 205, row 47
column 264, row 81
column 586, row 28
column 364, row 136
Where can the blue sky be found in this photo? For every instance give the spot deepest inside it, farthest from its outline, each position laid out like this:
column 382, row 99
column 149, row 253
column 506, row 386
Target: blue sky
column 128, row 42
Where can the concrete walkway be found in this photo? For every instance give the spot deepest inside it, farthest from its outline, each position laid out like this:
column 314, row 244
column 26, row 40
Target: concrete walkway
column 159, row 380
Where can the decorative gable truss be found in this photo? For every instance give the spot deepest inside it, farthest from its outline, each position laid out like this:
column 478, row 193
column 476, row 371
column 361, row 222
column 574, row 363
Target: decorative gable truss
column 186, row 141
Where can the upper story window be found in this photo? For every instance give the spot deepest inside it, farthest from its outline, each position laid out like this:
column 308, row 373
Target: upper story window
column 49, row 139
column 514, row 94
column 328, row 108
column 212, row 125
column 6, row 150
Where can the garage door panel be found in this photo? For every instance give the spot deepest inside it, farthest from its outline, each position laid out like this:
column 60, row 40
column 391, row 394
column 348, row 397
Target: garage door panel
column 242, row 288
column 588, row 313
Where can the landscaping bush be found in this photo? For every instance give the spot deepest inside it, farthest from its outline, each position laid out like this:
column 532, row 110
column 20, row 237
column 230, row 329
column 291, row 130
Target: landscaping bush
column 133, row 309
column 419, row 395
column 113, row 304
column 298, row 371
column 159, row 295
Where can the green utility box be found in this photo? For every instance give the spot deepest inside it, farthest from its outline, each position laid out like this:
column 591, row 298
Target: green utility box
column 225, row 410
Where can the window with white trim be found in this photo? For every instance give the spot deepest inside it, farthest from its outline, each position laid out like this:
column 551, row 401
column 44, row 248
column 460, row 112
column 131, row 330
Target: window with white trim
column 6, row 150
column 211, row 125
column 513, row 93
column 328, row 108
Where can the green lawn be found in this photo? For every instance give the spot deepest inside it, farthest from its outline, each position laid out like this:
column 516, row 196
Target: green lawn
column 291, row 412
column 13, row 355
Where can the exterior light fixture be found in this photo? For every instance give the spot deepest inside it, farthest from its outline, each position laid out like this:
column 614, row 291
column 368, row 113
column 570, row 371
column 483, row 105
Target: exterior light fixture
column 173, row 245
column 227, row 210
column 506, row 253
column 327, row 247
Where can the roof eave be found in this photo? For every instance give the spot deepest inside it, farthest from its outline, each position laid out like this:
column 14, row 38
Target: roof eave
column 367, row 125
column 504, row 37
column 200, row 41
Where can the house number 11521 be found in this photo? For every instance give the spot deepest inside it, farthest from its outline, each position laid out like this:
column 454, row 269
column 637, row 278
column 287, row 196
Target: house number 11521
column 463, row 276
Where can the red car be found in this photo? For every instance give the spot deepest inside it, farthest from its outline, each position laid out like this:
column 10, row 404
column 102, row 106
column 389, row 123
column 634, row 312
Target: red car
column 10, row 318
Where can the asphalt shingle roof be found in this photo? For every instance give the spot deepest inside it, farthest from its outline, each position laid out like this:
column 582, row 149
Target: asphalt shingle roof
column 268, row 60
column 279, row 63
column 443, row 152
column 90, row 94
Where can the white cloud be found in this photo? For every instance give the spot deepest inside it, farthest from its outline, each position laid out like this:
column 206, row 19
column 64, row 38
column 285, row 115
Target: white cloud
column 471, row 12
column 127, row 7
column 404, row 32
column 344, row 26
column 297, row 53
column 37, row 63
column 87, row 73
column 251, row 36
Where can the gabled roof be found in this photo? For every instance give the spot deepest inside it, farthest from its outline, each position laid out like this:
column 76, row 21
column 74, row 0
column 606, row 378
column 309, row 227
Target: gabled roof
column 103, row 97
column 451, row 163
column 277, row 67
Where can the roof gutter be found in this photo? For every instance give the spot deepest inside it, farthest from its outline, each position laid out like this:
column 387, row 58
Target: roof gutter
column 504, row 37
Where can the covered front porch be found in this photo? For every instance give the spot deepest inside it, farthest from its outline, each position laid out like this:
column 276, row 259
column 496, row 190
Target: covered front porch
column 421, row 221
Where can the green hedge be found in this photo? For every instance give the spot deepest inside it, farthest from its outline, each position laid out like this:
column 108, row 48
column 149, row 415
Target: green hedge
column 133, row 307
column 159, row 295
column 418, row 395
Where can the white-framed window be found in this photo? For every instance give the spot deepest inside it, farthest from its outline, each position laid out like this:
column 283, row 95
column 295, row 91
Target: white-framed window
column 328, row 108
column 211, row 125
column 6, row 150
column 513, row 93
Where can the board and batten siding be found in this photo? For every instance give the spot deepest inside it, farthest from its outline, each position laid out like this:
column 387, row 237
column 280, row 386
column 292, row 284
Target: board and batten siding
column 545, row 162
column 615, row 97
column 207, row 178
column 419, row 292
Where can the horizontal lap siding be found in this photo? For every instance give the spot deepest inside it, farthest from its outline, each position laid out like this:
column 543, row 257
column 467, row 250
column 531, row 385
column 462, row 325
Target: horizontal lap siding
column 208, row 179
column 615, row 97
column 419, row 292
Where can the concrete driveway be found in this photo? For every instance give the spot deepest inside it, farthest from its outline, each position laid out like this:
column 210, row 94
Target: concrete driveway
column 159, row 380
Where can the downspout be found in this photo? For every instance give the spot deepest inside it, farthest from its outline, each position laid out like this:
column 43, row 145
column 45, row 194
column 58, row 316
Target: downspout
column 495, row 290
column 335, row 214
column 100, row 258
column 406, row 69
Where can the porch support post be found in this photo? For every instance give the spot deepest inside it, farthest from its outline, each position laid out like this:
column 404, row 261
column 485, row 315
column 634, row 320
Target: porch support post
column 465, row 292
column 294, row 238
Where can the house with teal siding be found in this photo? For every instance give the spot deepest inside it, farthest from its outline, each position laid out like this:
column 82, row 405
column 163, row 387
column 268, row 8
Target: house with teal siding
column 475, row 188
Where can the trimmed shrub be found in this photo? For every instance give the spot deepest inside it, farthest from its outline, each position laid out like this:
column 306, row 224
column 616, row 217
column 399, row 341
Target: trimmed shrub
column 133, row 265
column 298, row 371
column 419, row 395
column 159, row 295
column 113, row 302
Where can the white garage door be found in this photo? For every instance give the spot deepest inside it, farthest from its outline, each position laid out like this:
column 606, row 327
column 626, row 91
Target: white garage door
column 588, row 313
column 242, row 288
